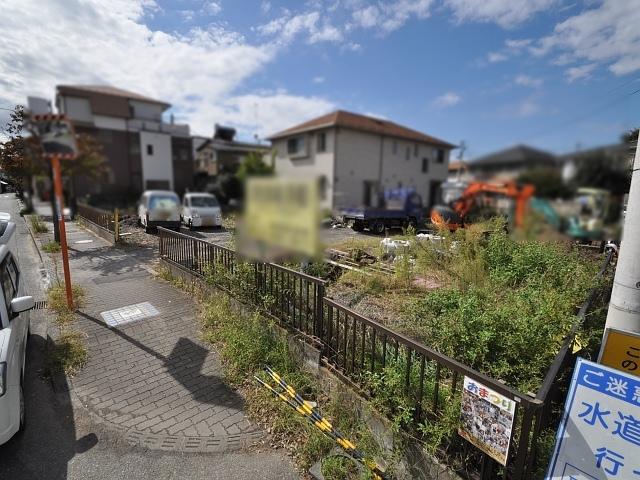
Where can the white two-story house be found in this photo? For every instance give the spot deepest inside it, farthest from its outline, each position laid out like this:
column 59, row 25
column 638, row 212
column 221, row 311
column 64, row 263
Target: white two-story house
column 356, row 157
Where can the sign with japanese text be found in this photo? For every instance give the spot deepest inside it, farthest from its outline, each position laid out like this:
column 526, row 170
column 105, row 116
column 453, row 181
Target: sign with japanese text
column 282, row 214
column 621, row 350
column 599, row 436
column 486, row 419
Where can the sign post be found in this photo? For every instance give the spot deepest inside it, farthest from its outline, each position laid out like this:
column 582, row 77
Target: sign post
column 58, row 142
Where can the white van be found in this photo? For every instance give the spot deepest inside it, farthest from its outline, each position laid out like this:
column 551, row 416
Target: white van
column 201, row 210
column 159, row 208
column 14, row 332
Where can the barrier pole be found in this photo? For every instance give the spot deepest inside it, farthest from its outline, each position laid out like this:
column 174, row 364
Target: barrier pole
column 57, row 185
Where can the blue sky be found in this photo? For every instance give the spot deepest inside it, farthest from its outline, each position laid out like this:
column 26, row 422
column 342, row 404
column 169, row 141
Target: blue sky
column 550, row 73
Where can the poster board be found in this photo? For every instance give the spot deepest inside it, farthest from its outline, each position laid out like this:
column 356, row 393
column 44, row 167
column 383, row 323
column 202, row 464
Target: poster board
column 486, row 419
column 57, row 136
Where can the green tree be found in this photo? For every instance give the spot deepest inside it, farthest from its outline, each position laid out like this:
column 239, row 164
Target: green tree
column 598, row 171
column 254, row 166
column 548, row 182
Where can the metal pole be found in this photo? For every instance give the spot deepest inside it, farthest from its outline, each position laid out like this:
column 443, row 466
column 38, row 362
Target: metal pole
column 624, row 307
column 57, row 184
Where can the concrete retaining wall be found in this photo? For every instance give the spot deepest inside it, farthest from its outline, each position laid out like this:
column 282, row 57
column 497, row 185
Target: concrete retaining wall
column 97, row 229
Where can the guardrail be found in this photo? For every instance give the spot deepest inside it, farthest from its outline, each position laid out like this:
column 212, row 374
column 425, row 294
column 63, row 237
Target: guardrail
column 355, row 348
column 105, row 219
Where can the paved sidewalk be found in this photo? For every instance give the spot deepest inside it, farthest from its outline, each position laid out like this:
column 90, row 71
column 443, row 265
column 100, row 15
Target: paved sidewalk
column 65, row 440
column 152, row 377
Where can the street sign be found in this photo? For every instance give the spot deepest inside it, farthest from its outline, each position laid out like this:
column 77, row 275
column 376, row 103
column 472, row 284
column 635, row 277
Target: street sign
column 56, row 136
column 599, row 436
column 621, row 350
column 487, row 419
column 282, row 215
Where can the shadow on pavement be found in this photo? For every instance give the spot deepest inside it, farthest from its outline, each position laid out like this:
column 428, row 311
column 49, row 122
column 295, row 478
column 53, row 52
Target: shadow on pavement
column 48, row 443
column 184, row 364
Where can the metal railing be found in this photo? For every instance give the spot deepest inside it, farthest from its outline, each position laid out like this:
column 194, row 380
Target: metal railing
column 102, row 218
column 358, row 349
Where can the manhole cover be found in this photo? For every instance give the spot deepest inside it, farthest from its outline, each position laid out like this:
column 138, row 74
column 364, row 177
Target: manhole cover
column 129, row 314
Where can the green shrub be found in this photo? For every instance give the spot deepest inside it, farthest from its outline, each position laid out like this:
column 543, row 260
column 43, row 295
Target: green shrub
column 37, row 224
column 51, row 247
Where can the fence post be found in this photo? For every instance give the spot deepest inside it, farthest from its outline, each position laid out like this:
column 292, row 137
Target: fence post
column 319, row 313
column 161, row 243
column 196, row 262
column 116, row 225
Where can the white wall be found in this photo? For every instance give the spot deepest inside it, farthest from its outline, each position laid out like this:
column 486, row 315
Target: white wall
column 159, row 165
column 110, row 123
column 146, row 111
column 357, row 160
column 313, row 164
column 77, row 108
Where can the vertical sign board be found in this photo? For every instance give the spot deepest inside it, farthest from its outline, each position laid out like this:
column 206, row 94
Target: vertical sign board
column 487, row 419
column 621, row 350
column 599, row 436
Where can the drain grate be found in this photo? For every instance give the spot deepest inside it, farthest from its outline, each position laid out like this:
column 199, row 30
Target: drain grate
column 40, row 305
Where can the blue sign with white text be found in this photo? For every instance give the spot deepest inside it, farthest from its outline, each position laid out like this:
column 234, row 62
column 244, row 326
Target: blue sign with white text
column 599, row 436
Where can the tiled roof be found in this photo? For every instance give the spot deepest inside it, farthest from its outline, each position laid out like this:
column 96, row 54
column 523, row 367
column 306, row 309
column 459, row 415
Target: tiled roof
column 107, row 90
column 355, row 121
column 518, row 154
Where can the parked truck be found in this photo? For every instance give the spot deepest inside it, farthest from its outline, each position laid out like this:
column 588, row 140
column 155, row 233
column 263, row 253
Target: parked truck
column 400, row 207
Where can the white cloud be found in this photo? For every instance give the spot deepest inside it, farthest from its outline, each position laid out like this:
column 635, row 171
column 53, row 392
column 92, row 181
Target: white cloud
column 606, row 34
column 286, row 28
column 506, row 13
column 495, row 57
column 446, row 100
column 212, row 8
column 99, row 42
column 318, row 79
column 528, row 107
column 265, row 6
column 527, row 81
column 577, row 73
column 390, row 16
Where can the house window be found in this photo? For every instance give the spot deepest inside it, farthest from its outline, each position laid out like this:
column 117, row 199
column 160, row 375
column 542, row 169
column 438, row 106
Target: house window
column 440, row 155
column 149, row 149
column 322, row 142
column 408, row 152
column 425, row 165
column 415, row 150
column 395, row 147
column 295, row 146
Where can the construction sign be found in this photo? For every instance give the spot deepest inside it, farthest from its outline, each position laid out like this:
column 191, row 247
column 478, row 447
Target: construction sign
column 56, row 136
column 621, row 350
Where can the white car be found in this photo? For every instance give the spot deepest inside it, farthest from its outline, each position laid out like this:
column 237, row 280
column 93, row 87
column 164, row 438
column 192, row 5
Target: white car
column 14, row 331
column 201, row 210
column 159, row 208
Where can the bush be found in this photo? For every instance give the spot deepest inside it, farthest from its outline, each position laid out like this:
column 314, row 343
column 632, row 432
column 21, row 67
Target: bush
column 37, row 224
column 51, row 247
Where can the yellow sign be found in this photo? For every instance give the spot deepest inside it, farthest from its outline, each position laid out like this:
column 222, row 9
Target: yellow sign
column 621, row 350
column 283, row 215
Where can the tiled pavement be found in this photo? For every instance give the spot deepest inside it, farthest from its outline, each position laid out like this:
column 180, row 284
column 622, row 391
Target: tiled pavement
column 151, row 378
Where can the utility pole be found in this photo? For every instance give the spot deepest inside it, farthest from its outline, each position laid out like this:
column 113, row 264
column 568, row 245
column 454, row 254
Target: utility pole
column 624, row 307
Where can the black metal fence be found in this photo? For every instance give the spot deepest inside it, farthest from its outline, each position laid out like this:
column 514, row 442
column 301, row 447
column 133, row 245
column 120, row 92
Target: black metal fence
column 361, row 350
column 102, row 218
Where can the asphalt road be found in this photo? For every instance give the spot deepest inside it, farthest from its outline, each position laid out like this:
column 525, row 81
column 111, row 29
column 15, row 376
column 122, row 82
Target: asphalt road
column 61, row 442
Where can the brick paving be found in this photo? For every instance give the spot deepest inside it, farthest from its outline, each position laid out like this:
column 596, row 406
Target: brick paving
column 152, row 378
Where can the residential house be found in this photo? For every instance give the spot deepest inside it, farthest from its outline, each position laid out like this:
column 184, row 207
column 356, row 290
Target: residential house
column 620, row 156
column 223, row 153
column 509, row 163
column 355, row 157
column 143, row 151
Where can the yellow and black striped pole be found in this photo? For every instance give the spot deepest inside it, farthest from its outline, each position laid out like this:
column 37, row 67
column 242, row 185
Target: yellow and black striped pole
column 304, row 408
